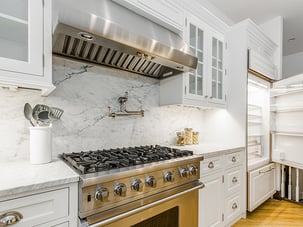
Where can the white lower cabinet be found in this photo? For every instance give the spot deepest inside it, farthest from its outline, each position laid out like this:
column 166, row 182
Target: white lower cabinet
column 261, row 185
column 44, row 209
column 210, row 200
column 221, row 201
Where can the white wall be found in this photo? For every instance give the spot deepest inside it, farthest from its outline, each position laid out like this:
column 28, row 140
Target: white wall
column 292, row 64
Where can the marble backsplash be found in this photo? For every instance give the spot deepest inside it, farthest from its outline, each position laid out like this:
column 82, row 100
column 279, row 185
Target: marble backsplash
column 85, row 93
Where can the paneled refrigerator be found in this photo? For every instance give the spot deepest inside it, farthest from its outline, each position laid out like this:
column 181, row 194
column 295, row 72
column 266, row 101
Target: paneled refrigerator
column 274, row 138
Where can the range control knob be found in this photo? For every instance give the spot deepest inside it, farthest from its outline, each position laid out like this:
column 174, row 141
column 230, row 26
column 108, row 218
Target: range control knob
column 193, row 170
column 137, row 185
column 101, row 194
column 183, row 172
column 120, row 189
column 168, row 176
column 151, row 181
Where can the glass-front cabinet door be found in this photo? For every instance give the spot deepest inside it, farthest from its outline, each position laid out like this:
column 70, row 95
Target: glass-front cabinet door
column 217, row 70
column 196, row 87
column 21, row 36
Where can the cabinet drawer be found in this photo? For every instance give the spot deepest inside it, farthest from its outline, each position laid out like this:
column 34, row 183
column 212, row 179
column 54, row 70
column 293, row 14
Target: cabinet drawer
column 234, row 159
column 233, row 208
column 233, row 181
column 39, row 208
column 210, row 165
column 261, row 185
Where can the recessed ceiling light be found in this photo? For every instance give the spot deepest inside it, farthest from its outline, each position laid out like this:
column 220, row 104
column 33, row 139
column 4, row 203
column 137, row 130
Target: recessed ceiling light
column 291, row 39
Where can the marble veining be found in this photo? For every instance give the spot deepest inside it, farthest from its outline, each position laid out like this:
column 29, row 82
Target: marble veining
column 85, row 92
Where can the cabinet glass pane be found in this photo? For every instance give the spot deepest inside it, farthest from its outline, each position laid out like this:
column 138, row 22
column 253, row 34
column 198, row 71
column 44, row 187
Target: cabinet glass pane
column 199, row 85
column 214, row 89
column 220, row 65
column 214, row 47
column 214, row 75
column 220, row 50
column 200, row 56
column 200, row 39
column 214, row 62
column 200, row 69
column 220, row 91
column 192, row 84
column 192, row 35
column 14, row 29
column 15, row 8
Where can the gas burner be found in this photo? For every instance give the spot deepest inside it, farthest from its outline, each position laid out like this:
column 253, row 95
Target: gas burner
column 107, row 159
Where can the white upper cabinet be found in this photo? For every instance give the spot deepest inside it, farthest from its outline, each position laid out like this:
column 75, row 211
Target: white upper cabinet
column 167, row 13
column 23, row 45
column 205, row 86
column 263, row 52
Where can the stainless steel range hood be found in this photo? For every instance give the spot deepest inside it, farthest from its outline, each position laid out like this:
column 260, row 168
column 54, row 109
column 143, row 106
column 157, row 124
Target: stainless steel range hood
column 105, row 33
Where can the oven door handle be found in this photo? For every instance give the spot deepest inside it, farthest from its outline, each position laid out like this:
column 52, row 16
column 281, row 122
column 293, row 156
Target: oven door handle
column 150, row 205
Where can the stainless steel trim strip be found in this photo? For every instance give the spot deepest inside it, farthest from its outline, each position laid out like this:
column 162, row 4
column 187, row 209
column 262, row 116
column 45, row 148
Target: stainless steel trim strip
column 123, row 215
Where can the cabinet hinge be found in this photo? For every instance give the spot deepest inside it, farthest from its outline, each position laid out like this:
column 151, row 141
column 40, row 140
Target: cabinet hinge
column 185, row 90
column 43, row 60
column 222, row 217
column 225, row 98
column 225, row 45
column 222, row 178
column 43, row 3
column 225, row 71
column 185, row 21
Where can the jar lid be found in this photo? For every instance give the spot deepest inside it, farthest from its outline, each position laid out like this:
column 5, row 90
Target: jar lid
column 196, row 133
column 188, row 129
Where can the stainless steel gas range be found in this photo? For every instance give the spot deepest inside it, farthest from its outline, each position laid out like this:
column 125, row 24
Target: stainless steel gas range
column 137, row 186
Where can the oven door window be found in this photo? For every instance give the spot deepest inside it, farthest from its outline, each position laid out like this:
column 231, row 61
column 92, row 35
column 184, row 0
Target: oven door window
column 168, row 218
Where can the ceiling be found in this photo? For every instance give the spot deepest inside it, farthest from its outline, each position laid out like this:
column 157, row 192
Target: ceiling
column 261, row 11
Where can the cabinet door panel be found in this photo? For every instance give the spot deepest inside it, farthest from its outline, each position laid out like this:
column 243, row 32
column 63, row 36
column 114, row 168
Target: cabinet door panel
column 261, row 185
column 22, row 41
column 211, row 202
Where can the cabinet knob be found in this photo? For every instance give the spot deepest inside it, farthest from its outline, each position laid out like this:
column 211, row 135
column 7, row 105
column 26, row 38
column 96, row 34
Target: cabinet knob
column 233, row 159
column 211, row 165
column 234, row 206
column 10, row 218
column 234, row 180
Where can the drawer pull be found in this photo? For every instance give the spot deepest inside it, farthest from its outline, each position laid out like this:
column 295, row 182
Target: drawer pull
column 233, row 159
column 234, row 180
column 211, row 165
column 270, row 169
column 10, row 218
column 234, row 206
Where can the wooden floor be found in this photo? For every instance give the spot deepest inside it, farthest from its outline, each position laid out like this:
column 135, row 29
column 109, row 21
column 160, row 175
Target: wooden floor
column 274, row 213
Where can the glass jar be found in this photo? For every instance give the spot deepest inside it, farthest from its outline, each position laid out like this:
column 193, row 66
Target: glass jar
column 188, row 136
column 180, row 139
column 195, row 137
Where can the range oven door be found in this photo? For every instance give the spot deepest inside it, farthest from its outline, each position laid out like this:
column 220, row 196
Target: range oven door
column 177, row 210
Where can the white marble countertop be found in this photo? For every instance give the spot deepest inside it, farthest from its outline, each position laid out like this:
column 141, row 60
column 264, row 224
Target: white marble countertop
column 208, row 148
column 20, row 176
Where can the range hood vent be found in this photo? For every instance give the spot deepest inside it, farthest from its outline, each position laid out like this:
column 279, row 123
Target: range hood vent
column 113, row 45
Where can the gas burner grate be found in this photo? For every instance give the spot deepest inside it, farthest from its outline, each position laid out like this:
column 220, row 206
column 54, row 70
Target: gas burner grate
column 107, row 159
